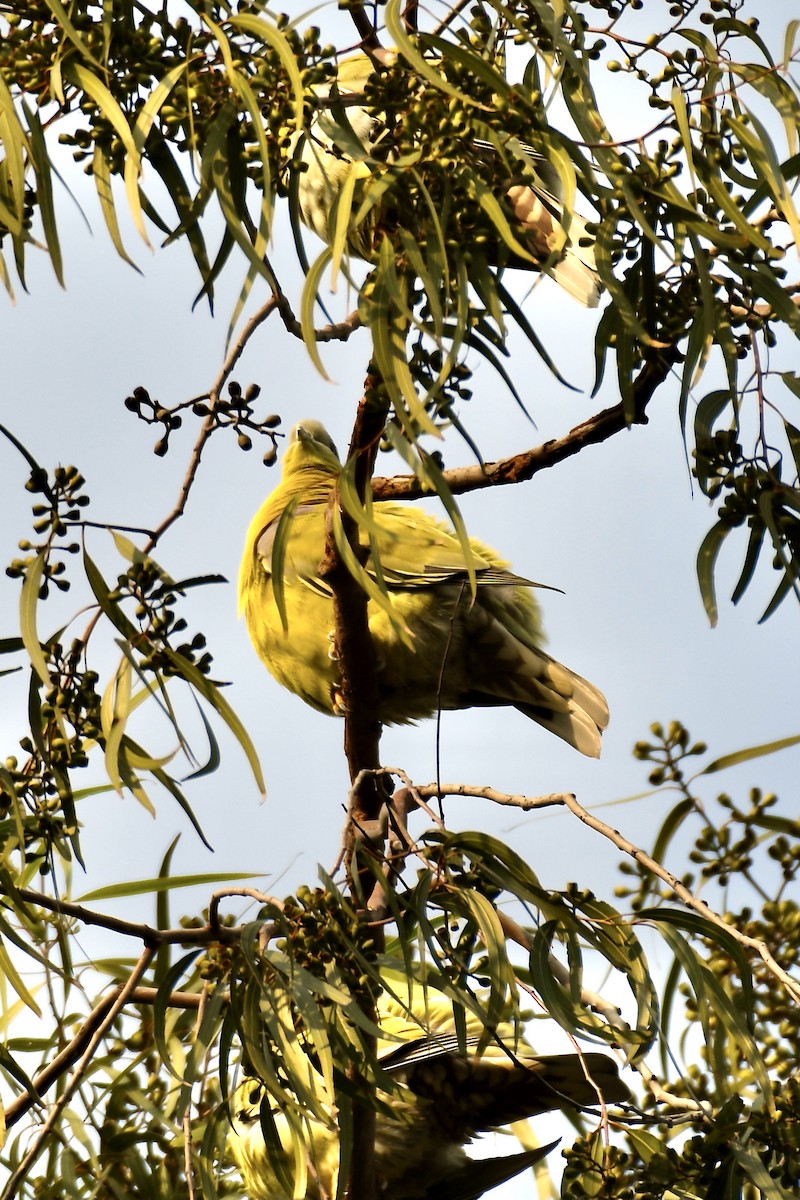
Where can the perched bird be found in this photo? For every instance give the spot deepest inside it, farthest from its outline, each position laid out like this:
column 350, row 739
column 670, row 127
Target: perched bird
column 445, row 1097
column 444, row 649
column 341, row 143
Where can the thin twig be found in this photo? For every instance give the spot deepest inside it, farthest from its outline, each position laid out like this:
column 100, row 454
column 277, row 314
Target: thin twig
column 249, row 893
column 683, row 893
column 526, row 803
column 10, row 1190
column 339, row 331
column 151, row 937
column 72, row 1052
column 209, row 424
column 188, row 1166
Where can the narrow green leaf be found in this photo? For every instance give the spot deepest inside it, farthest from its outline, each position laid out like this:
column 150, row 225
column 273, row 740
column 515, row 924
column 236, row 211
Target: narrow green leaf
column 701, row 337
column 792, row 432
column 755, row 1171
column 670, row 827
column 280, row 44
column 278, row 559
column 706, row 559
column 754, row 544
column 740, row 756
column 110, row 109
column 781, row 592
column 102, row 595
column 29, row 598
column 343, row 211
column 711, row 996
column 162, row 884
column 214, row 757
column 101, row 172
column 678, row 102
column 13, row 977
column 114, row 712
column 398, row 32
column 527, row 329
column 709, row 409
column 212, row 693
column 373, row 589
column 755, row 138
column 307, row 303
column 162, row 1009
column 44, row 189
column 17, row 151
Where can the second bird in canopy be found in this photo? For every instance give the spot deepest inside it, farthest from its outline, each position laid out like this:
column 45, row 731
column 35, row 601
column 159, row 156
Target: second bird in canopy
column 505, row 200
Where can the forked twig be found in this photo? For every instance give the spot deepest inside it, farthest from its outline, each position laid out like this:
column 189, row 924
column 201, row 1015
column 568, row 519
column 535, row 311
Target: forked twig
column 209, row 424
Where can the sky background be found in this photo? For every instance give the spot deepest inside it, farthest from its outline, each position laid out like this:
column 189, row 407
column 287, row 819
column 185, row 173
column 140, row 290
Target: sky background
column 617, row 528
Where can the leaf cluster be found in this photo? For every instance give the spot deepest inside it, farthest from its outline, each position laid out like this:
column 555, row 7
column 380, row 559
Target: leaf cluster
column 76, row 718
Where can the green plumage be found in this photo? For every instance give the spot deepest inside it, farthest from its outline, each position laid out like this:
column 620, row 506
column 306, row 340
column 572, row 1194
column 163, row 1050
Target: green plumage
column 458, row 652
column 446, row 1097
column 340, row 149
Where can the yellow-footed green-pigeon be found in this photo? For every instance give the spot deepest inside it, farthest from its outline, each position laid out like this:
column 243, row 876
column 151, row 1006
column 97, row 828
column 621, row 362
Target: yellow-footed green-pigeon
column 441, row 648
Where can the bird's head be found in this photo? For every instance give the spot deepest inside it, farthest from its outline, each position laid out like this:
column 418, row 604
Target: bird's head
column 310, row 446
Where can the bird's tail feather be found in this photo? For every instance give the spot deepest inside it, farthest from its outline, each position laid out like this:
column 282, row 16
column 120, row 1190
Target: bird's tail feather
column 471, row 1179
column 575, row 277
column 525, row 676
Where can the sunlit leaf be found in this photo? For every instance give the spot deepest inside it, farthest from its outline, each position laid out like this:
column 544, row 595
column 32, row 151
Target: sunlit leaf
column 141, row 887
column 746, row 755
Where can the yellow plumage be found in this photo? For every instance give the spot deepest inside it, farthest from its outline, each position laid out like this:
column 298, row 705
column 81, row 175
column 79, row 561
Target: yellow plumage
column 445, row 1097
column 458, row 652
column 340, row 144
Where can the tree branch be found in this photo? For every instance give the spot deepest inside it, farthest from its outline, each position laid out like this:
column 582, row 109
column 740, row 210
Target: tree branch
column 338, row 331
column 73, row 1051
column 567, row 800
column 151, row 937
column 520, row 467
column 370, row 42
column 682, row 892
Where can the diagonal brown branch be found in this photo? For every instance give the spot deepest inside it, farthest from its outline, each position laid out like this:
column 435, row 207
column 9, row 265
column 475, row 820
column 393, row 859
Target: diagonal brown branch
column 682, row 892
column 73, row 1051
column 520, row 467
column 148, row 934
